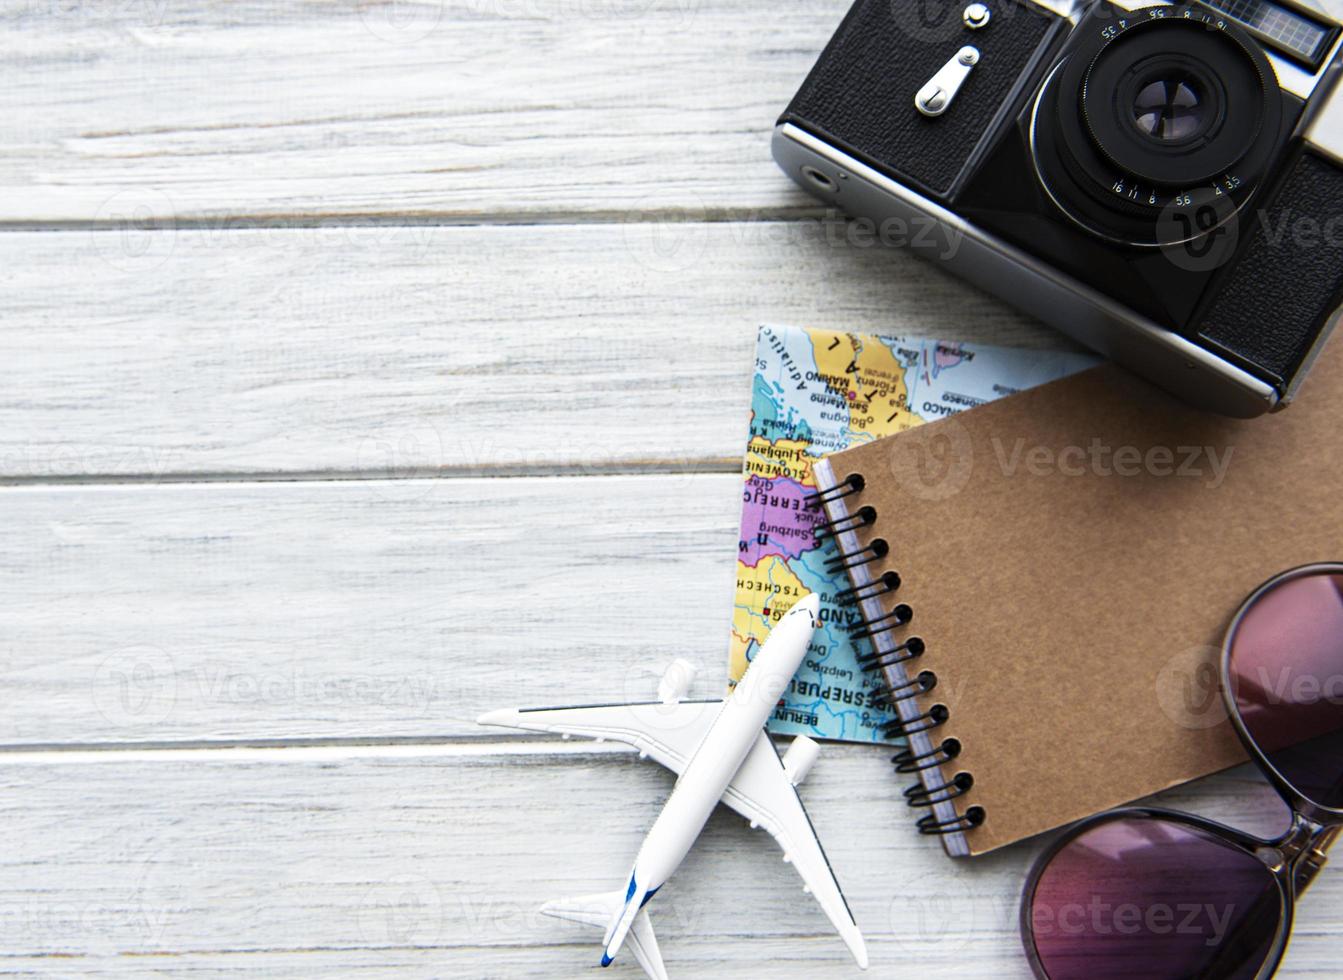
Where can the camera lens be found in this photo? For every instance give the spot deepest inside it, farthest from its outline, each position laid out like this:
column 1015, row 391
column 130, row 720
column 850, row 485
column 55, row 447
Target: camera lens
column 1169, row 110
column 1155, row 110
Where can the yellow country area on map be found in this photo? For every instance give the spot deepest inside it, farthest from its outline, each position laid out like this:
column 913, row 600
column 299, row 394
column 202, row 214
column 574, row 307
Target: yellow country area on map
column 765, row 592
column 870, row 379
column 779, row 457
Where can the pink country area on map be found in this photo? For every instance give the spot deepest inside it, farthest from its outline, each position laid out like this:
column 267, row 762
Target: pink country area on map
column 945, row 356
column 775, row 520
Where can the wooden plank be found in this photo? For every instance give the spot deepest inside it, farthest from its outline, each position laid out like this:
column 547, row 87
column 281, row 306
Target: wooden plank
column 413, row 351
column 352, row 609
column 465, row 110
column 432, row 862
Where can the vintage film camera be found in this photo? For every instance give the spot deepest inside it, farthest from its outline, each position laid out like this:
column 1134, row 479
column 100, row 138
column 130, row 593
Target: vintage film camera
column 1163, row 183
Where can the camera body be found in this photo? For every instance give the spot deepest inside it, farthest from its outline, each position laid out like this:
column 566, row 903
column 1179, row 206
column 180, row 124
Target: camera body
column 1164, row 183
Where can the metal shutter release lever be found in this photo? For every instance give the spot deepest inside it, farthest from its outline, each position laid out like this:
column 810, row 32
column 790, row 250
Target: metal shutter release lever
column 938, row 92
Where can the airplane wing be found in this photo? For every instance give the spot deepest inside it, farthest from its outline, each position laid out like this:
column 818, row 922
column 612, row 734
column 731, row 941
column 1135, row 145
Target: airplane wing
column 763, row 793
column 668, row 734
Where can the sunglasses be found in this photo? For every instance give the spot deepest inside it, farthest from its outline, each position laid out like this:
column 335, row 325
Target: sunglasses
column 1148, row 893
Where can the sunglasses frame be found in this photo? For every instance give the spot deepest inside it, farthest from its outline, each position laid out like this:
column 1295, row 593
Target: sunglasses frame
column 1292, row 860
column 1294, row 798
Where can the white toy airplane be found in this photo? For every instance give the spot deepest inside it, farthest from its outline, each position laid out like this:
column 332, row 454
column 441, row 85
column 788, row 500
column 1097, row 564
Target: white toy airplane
column 720, row 751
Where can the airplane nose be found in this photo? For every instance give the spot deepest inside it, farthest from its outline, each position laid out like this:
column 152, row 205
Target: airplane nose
column 809, row 607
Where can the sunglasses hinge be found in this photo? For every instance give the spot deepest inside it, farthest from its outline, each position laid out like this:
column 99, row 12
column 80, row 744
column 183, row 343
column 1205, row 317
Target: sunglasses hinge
column 1314, row 856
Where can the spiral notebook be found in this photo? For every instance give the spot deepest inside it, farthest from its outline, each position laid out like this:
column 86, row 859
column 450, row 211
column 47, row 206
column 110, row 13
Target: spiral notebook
column 820, row 391
column 1061, row 565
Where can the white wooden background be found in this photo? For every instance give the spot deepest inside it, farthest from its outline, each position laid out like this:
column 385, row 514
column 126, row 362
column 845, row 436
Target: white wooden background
column 367, row 365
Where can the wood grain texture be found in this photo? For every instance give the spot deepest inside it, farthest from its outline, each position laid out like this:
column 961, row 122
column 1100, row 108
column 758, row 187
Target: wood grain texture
column 183, row 110
column 393, row 352
column 384, row 249
column 426, row 862
column 177, row 112
column 353, row 609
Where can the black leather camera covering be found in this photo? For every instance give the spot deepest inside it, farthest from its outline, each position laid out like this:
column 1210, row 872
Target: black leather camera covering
column 860, row 95
column 1289, row 276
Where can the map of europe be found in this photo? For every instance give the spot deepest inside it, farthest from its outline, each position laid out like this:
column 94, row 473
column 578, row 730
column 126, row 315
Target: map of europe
column 816, row 392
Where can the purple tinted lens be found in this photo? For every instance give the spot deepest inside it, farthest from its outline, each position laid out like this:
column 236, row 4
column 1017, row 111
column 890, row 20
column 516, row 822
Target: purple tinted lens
column 1146, row 898
column 1286, row 676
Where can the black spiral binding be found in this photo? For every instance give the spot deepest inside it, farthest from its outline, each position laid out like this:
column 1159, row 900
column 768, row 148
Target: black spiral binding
column 852, row 484
column 968, row 820
column 920, row 795
column 908, row 761
column 849, row 522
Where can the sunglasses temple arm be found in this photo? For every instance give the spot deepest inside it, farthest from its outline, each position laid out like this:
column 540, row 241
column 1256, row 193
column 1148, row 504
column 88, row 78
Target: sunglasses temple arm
column 1316, row 858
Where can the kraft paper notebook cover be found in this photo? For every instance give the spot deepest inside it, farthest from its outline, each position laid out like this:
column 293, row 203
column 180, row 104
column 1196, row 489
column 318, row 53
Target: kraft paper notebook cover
column 1070, row 558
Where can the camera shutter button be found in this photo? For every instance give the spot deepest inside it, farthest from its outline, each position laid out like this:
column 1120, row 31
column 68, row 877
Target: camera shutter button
column 938, row 92
column 976, row 15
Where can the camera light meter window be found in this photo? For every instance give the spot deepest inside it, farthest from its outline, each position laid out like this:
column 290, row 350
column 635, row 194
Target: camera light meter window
column 1289, row 31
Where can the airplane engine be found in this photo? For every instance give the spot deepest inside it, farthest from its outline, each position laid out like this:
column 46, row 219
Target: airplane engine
column 676, row 681
column 799, row 758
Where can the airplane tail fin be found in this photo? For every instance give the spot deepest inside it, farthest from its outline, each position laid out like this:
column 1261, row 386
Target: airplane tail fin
column 601, row 911
column 622, row 920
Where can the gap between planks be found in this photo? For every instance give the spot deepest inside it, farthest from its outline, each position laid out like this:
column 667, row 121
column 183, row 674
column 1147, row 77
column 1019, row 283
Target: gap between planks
column 706, row 466
column 310, row 750
column 262, row 221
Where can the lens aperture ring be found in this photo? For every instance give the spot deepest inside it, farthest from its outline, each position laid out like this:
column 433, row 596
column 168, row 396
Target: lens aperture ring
column 1154, row 112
